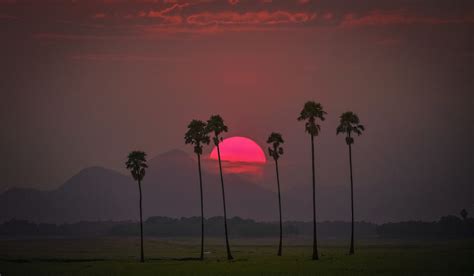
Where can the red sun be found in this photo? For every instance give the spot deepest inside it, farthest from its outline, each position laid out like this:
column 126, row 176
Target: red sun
column 239, row 149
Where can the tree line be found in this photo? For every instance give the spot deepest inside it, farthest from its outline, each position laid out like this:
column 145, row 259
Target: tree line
column 447, row 227
column 199, row 133
column 166, row 227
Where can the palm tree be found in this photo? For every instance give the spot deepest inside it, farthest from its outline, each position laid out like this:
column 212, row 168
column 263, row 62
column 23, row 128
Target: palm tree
column 216, row 125
column 197, row 135
column 349, row 123
column 275, row 151
column 136, row 164
column 310, row 113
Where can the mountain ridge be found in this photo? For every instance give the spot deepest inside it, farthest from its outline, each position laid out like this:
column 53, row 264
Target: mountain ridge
column 170, row 188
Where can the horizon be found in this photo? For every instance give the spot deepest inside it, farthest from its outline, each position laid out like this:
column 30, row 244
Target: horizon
column 87, row 82
column 201, row 137
column 210, row 170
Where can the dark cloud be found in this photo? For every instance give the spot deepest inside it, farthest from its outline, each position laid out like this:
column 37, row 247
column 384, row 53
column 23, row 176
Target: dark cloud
column 205, row 16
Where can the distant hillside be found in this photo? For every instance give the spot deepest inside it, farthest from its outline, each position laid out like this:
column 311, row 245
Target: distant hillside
column 93, row 194
column 170, row 189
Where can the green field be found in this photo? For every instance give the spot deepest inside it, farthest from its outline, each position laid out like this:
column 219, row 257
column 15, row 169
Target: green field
column 114, row 256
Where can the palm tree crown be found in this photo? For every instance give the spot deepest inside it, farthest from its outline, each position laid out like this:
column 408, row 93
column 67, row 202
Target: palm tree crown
column 136, row 163
column 312, row 111
column 197, row 135
column 276, row 140
column 216, row 125
column 349, row 123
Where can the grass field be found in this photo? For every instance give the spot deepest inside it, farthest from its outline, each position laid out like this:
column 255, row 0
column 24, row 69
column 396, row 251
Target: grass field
column 118, row 256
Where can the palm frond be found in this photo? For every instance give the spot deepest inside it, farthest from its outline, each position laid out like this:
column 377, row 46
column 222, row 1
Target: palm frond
column 216, row 125
column 136, row 164
column 311, row 112
column 275, row 140
column 197, row 135
column 349, row 123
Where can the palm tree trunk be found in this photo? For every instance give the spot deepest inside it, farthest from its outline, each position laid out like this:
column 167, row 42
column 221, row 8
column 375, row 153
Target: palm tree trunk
column 279, row 206
column 351, row 250
column 202, row 208
column 229, row 254
column 142, row 258
column 315, row 242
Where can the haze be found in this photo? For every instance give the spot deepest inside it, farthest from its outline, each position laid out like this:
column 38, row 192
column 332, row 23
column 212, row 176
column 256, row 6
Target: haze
column 85, row 82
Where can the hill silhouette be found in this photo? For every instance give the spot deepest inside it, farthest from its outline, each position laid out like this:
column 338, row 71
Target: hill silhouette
column 170, row 189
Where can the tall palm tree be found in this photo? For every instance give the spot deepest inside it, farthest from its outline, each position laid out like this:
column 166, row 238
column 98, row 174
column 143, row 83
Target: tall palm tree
column 197, row 136
column 275, row 151
column 136, row 164
column 310, row 113
column 216, row 125
column 349, row 123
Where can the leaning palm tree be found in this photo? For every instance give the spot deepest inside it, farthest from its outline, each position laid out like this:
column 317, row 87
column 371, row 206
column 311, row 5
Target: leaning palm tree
column 349, row 123
column 216, row 125
column 136, row 164
column 275, row 150
column 310, row 113
column 197, row 136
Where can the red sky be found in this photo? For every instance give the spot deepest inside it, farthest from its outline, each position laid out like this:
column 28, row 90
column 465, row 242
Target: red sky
column 84, row 82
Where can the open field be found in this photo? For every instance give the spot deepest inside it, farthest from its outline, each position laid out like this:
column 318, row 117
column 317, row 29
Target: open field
column 252, row 257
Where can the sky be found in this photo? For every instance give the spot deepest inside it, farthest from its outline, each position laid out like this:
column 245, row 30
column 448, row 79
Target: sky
column 85, row 82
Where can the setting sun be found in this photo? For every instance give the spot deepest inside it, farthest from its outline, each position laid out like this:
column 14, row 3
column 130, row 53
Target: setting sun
column 239, row 149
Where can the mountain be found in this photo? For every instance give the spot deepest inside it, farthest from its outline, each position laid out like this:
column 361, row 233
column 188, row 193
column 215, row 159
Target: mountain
column 170, row 188
column 94, row 193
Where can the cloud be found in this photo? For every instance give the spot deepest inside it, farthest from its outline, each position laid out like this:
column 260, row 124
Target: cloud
column 164, row 14
column 383, row 18
column 144, row 17
column 255, row 18
column 172, row 8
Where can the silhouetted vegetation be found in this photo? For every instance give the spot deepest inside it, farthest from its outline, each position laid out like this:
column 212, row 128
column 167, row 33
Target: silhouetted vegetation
column 349, row 124
column 197, row 135
column 22, row 228
column 448, row 227
column 311, row 112
column 275, row 151
column 136, row 164
column 165, row 227
column 216, row 125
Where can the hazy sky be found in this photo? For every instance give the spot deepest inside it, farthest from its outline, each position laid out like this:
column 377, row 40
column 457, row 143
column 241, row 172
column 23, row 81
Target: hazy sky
column 85, row 82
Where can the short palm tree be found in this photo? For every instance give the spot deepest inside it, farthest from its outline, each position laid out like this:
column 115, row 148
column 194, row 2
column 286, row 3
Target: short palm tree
column 275, row 150
column 197, row 136
column 216, row 125
column 311, row 112
column 136, row 164
column 349, row 124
